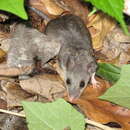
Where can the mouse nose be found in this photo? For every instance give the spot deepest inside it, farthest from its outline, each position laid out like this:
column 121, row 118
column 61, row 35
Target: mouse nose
column 73, row 94
column 71, row 99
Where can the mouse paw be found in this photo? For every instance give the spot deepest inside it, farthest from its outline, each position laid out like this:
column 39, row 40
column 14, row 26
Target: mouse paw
column 94, row 82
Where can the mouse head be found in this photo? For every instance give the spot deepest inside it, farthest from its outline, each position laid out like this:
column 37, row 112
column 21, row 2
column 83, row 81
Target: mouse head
column 78, row 73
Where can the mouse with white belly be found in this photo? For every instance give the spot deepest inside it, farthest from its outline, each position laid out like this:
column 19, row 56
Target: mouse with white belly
column 76, row 57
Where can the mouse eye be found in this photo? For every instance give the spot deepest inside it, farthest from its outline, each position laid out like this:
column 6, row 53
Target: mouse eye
column 68, row 81
column 82, row 84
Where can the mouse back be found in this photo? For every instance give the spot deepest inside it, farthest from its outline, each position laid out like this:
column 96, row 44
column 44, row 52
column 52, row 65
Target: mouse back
column 69, row 28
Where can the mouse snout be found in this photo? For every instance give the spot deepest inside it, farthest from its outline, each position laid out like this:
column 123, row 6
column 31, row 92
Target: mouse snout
column 73, row 94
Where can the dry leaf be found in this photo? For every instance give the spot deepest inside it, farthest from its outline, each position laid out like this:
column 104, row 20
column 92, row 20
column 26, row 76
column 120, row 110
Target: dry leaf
column 48, row 7
column 54, row 8
column 77, row 8
column 105, row 112
column 99, row 25
column 14, row 71
column 14, row 93
column 2, row 55
column 3, row 104
column 49, row 86
column 36, row 21
column 116, row 46
column 4, row 41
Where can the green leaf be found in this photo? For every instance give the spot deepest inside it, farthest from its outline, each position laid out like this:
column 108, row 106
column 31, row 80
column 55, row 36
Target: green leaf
column 113, row 8
column 14, row 6
column 108, row 71
column 119, row 93
column 53, row 116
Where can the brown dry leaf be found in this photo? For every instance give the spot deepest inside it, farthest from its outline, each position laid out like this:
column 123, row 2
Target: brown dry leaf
column 14, row 93
column 116, row 46
column 54, row 8
column 14, row 71
column 49, row 7
column 105, row 112
column 46, row 85
column 3, row 104
column 102, row 111
column 77, row 8
column 4, row 43
column 36, row 21
column 2, row 55
column 99, row 25
column 4, row 40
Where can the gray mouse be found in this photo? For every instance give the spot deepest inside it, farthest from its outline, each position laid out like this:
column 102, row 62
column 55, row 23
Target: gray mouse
column 68, row 38
column 75, row 57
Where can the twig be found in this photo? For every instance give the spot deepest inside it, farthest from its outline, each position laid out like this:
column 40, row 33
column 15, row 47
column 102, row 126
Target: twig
column 92, row 12
column 99, row 125
column 12, row 113
column 86, row 120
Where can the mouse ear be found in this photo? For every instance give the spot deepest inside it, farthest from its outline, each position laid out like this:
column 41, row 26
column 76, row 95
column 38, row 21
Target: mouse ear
column 92, row 67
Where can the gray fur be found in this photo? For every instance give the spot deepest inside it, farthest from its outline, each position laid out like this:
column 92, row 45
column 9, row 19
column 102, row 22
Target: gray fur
column 27, row 43
column 76, row 53
column 66, row 37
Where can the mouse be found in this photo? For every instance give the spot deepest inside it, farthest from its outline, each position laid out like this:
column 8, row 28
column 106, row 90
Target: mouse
column 66, row 37
column 76, row 56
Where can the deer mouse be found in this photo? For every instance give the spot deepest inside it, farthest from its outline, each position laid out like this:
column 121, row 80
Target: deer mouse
column 68, row 38
column 76, row 53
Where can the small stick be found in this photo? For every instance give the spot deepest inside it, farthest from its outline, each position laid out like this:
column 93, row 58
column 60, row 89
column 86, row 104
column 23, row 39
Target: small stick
column 12, row 113
column 86, row 120
column 99, row 125
column 92, row 12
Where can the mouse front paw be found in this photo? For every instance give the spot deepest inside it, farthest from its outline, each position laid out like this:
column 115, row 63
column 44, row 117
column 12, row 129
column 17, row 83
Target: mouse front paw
column 94, row 82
